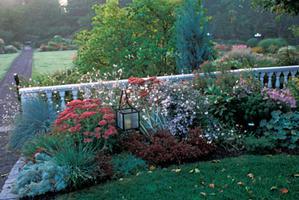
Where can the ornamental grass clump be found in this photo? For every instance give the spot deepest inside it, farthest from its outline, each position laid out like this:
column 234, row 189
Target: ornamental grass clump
column 88, row 119
column 35, row 120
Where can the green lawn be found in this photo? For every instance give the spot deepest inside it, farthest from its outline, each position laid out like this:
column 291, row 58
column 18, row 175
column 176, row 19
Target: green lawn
column 50, row 62
column 245, row 177
column 5, row 62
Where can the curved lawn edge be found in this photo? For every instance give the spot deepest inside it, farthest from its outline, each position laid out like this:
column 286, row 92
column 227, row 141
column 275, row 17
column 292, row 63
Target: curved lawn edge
column 244, row 177
column 5, row 63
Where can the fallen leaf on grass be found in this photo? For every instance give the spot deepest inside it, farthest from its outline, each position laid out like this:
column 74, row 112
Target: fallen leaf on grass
column 250, row 175
column 196, row 170
column 152, row 168
column 203, row 194
column 284, row 190
column 240, row 183
column 273, row 188
column 176, row 170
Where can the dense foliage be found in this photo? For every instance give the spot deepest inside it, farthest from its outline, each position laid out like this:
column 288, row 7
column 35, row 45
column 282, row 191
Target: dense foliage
column 280, row 6
column 163, row 149
column 135, row 39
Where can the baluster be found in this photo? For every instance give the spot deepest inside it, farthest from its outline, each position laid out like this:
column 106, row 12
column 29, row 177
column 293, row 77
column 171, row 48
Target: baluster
column 285, row 78
column 62, row 100
column 49, row 99
column 277, row 81
column 87, row 93
column 262, row 77
column 75, row 94
column 270, row 79
column 293, row 74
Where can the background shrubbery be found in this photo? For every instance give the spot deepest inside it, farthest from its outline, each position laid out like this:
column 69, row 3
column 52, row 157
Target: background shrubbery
column 58, row 43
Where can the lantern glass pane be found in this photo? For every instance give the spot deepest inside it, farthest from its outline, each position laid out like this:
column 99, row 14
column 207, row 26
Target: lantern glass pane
column 128, row 121
column 120, row 120
column 135, row 120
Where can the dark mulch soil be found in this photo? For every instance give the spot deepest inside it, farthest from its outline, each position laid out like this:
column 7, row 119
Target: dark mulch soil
column 7, row 158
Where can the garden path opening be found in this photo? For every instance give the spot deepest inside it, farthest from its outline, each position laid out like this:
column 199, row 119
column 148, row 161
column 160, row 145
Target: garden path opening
column 22, row 65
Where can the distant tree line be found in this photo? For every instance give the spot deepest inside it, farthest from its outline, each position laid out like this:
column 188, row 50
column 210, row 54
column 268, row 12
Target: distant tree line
column 239, row 19
column 39, row 20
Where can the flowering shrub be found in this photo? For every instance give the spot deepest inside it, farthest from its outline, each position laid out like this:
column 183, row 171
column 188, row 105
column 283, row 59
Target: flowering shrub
column 283, row 96
column 164, row 149
column 175, row 101
column 88, row 118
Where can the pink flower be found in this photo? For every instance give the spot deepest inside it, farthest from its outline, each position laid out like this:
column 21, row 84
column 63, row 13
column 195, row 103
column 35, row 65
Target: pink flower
column 97, row 135
column 109, row 116
column 87, row 114
column 97, row 129
column 86, row 133
column 87, row 140
column 102, row 122
column 75, row 128
column 74, row 103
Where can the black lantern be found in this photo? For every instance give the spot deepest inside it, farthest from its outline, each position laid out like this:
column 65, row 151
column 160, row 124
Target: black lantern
column 127, row 117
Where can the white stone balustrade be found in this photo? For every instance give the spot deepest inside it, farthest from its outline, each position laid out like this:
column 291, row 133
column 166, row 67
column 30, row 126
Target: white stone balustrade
column 276, row 77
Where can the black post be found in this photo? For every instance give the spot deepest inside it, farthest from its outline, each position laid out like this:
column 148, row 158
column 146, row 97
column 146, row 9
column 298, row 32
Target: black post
column 17, row 80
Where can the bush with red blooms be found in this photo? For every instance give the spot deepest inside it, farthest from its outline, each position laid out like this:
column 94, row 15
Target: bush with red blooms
column 88, row 119
column 142, row 86
column 163, row 149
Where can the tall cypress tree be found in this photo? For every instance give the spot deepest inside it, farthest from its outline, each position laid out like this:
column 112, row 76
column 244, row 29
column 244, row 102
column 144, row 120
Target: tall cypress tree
column 192, row 40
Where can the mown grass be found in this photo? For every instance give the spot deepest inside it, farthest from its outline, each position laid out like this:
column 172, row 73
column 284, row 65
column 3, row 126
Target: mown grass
column 50, row 62
column 5, row 62
column 245, row 177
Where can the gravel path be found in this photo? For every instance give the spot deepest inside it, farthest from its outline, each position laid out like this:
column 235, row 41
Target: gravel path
column 8, row 101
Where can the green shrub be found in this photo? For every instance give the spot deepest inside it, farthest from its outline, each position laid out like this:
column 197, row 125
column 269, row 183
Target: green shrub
column 127, row 164
column 2, row 44
column 41, row 177
column 36, row 119
column 135, row 39
column 283, row 128
column 288, row 56
column 271, row 45
column 259, row 145
column 10, row 49
column 252, row 42
column 255, row 107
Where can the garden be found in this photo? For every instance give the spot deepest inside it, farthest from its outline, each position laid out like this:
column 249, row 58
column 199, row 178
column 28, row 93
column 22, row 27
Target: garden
column 225, row 133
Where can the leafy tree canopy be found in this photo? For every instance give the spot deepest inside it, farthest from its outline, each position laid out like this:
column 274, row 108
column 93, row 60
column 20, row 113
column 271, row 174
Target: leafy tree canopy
column 280, row 6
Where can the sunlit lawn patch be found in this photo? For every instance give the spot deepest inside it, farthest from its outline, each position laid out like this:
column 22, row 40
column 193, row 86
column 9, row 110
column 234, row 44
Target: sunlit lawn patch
column 50, row 62
column 245, row 177
column 5, row 62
